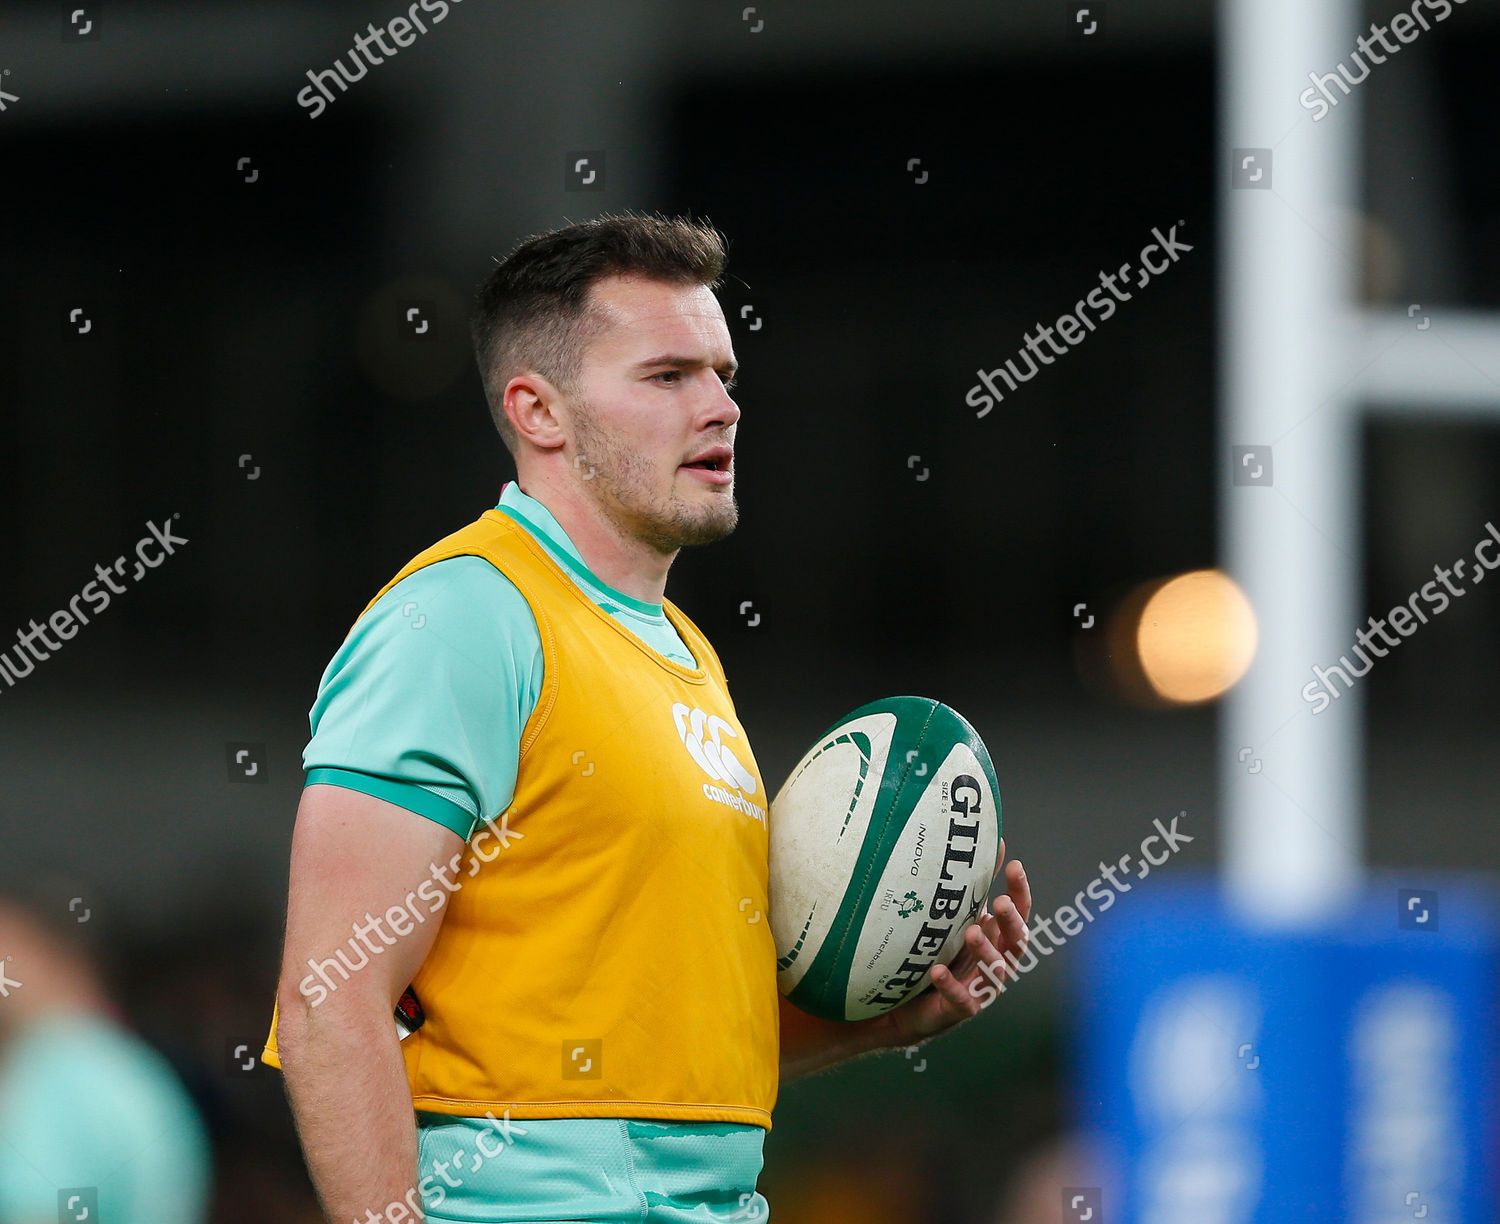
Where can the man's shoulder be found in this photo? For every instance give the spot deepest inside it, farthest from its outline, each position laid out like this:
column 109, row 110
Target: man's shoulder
column 465, row 588
column 488, row 552
column 446, row 642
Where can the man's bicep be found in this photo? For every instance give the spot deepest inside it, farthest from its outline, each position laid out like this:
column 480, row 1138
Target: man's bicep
column 367, row 895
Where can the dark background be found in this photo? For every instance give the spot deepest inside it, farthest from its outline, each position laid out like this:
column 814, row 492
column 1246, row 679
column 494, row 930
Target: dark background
column 261, row 319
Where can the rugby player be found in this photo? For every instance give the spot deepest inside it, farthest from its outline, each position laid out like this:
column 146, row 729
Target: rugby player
column 530, row 801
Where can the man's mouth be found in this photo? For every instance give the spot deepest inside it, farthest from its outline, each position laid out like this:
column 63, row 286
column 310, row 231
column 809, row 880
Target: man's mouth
column 714, row 462
column 715, row 466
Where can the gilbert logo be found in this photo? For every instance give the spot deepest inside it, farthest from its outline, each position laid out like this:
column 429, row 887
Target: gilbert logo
column 700, row 734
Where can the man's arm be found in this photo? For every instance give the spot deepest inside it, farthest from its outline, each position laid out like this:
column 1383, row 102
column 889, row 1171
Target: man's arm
column 354, row 856
column 810, row 1044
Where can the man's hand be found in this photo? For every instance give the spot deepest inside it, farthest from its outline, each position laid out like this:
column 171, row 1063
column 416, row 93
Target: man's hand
column 809, row 1044
column 996, row 935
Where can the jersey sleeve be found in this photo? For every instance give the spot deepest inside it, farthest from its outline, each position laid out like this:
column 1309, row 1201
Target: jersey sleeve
column 424, row 703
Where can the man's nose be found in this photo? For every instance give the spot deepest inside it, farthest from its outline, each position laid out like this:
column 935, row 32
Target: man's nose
column 725, row 409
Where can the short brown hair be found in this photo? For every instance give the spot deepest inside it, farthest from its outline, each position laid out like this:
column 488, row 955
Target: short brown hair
column 531, row 312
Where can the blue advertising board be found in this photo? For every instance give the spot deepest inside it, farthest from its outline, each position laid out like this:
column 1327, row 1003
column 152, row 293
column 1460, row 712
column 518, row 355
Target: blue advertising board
column 1232, row 1073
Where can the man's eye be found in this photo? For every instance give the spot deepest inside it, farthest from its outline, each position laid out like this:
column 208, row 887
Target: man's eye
column 676, row 377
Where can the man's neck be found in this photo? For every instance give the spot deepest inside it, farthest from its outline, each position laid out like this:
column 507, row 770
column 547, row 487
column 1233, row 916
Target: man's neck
column 618, row 559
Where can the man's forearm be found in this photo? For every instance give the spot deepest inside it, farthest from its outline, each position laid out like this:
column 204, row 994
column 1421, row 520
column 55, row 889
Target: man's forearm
column 352, row 1106
column 809, row 1044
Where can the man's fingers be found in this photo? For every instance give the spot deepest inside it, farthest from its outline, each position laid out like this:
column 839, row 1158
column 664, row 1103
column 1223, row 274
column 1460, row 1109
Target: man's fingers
column 990, row 923
column 1002, row 929
column 1018, row 888
column 963, row 961
column 951, row 986
column 1010, row 931
column 980, row 946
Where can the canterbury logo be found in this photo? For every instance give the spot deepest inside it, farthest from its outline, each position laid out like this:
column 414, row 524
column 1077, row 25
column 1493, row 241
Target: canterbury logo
column 700, row 736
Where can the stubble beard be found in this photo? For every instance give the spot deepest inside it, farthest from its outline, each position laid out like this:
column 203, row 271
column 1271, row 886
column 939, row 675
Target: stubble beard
column 623, row 487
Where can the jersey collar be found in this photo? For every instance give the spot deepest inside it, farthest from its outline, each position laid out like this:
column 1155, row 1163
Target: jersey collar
column 537, row 519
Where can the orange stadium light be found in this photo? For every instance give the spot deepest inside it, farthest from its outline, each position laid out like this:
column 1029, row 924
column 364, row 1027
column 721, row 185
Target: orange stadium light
column 1195, row 637
column 1176, row 641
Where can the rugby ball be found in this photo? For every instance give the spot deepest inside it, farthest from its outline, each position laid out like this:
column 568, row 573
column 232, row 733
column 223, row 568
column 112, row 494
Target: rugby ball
column 884, row 841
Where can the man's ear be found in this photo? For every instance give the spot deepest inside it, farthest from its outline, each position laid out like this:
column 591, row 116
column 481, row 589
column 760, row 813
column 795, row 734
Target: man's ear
column 531, row 403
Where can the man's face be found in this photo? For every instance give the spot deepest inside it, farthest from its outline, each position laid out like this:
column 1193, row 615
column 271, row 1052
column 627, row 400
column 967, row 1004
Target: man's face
column 652, row 398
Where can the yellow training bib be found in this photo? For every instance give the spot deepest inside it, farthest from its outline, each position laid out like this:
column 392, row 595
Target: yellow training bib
column 606, row 951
